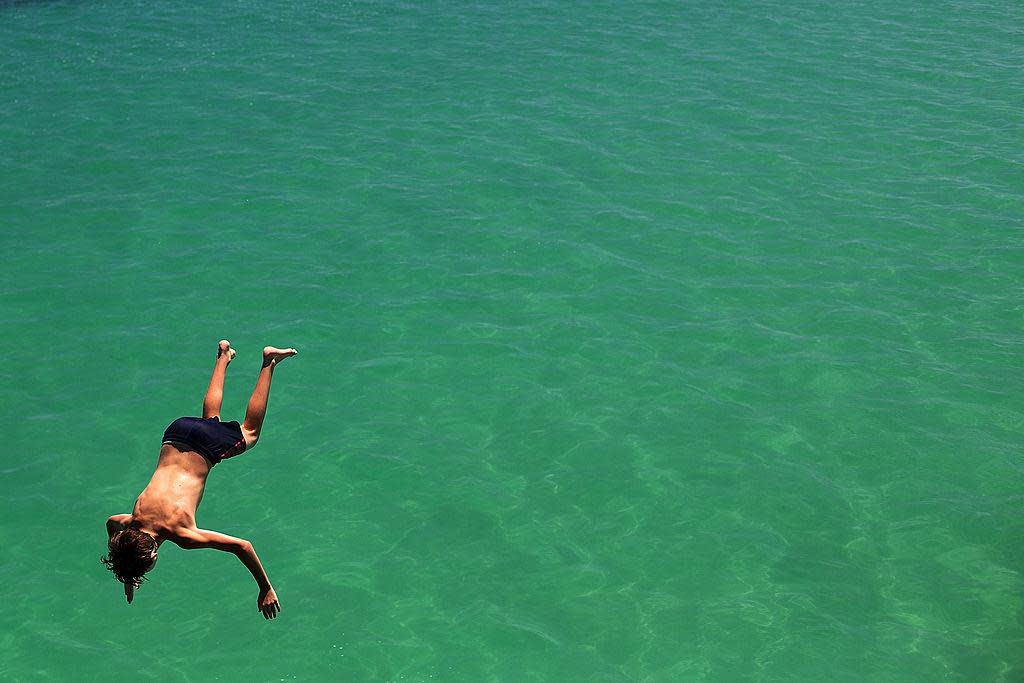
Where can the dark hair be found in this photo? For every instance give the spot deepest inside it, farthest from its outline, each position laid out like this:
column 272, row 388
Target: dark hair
column 129, row 556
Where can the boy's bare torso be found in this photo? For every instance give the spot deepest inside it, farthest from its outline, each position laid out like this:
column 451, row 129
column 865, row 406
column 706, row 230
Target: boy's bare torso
column 167, row 506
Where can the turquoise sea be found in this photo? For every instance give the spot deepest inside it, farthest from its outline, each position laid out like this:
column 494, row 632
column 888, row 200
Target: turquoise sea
column 639, row 341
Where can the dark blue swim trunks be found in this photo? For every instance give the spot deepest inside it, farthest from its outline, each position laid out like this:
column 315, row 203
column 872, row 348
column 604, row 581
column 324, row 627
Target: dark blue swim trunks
column 214, row 439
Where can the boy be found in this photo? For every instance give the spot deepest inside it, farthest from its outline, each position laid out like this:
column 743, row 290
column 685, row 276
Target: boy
column 166, row 509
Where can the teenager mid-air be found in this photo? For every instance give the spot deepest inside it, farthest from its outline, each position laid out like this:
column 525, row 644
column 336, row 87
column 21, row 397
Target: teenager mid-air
column 166, row 509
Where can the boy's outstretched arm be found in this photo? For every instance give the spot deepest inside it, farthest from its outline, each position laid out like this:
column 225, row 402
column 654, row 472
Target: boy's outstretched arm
column 201, row 538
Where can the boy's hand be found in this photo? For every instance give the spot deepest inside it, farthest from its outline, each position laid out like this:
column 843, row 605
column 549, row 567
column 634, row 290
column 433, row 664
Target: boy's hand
column 267, row 603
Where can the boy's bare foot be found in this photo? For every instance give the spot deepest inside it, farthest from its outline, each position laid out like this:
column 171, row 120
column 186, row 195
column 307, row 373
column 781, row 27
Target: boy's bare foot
column 224, row 347
column 273, row 355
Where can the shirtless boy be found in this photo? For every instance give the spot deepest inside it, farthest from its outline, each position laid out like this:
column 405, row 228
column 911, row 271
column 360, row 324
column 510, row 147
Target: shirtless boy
column 166, row 509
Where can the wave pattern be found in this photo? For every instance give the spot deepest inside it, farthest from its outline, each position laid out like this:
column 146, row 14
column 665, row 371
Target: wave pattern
column 642, row 341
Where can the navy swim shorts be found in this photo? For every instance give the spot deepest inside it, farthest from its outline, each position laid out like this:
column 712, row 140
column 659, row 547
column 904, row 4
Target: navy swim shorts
column 214, row 439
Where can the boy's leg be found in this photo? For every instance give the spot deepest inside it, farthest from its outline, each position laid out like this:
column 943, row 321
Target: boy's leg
column 215, row 392
column 257, row 408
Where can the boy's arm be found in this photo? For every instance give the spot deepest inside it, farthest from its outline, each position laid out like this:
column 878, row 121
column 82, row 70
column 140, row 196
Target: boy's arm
column 115, row 523
column 190, row 539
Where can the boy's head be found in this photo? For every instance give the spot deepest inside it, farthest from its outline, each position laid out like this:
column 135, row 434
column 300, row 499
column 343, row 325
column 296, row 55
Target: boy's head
column 130, row 554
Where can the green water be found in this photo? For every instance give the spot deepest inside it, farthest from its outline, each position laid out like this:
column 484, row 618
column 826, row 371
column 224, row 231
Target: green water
column 638, row 341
